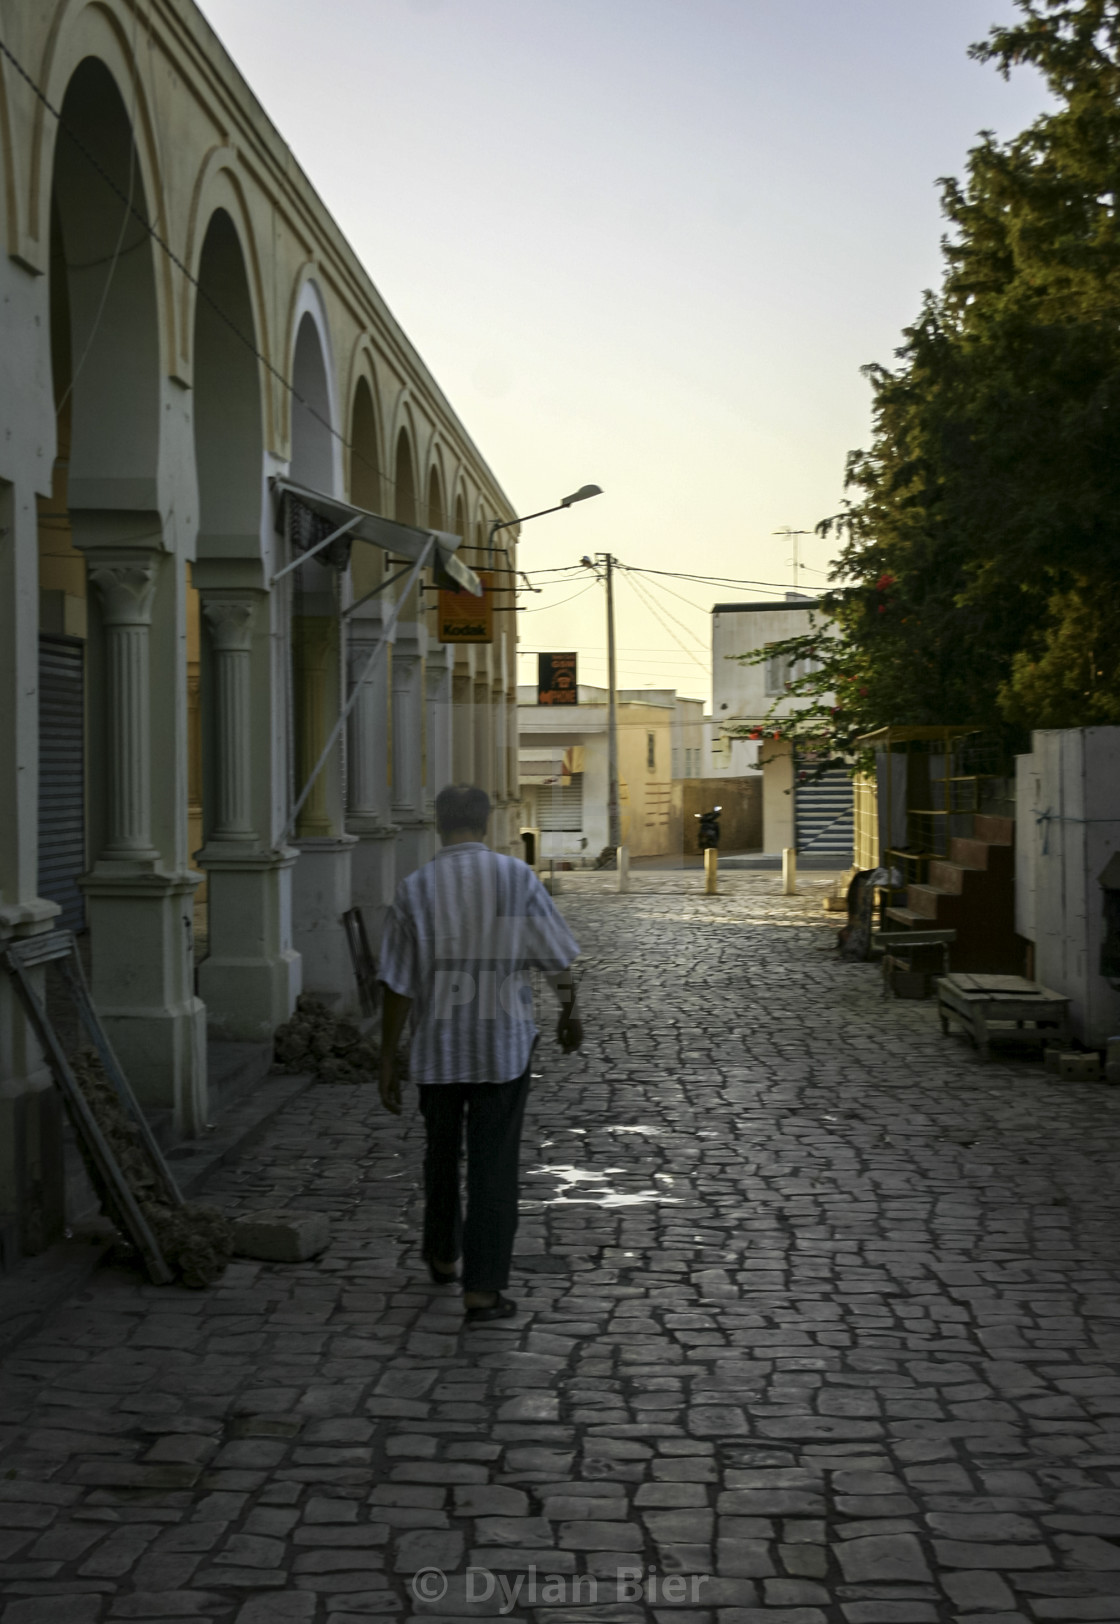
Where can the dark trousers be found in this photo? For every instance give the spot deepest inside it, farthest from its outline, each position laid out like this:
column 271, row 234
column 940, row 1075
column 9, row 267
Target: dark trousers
column 494, row 1113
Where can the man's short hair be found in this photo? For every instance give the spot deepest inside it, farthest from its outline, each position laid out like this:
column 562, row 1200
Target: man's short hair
column 462, row 806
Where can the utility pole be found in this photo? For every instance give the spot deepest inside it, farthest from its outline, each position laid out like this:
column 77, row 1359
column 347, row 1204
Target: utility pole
column 614, row 820
column 602, row 567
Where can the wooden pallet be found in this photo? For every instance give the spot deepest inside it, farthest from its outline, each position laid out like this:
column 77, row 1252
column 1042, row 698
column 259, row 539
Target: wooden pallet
column 1009, row 1009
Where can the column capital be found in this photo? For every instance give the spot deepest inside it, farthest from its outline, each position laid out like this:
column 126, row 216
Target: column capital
column 126, row 584
column 230, row 620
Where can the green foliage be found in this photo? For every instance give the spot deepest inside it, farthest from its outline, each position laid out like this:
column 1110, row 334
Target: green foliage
column 979, row 554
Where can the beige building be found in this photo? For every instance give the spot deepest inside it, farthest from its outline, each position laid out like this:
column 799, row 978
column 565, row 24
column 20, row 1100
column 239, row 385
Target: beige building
column 200, row 384
column 662, row 775
column 563, row 756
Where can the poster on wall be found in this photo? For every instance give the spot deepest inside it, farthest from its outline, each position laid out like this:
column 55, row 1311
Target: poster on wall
column 556, row 680
column 463, row 618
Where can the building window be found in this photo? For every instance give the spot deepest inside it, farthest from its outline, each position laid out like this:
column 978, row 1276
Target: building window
column 777, row 674
column 651, row 751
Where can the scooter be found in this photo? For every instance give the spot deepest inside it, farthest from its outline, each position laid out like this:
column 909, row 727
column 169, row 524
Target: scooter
column 708, row 833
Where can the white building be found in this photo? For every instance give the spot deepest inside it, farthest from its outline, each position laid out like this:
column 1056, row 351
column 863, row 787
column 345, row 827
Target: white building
column 800, row 809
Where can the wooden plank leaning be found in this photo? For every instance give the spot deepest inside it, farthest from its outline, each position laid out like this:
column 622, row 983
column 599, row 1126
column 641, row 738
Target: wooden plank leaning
column 114, row 1190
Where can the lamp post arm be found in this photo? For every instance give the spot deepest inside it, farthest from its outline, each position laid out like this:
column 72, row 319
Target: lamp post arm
column 505, row 524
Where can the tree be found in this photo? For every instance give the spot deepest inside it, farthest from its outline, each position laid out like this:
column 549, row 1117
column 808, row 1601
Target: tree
column 978, row 579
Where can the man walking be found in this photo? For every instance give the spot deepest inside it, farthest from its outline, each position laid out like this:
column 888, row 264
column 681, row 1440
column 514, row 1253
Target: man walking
column 460, row 941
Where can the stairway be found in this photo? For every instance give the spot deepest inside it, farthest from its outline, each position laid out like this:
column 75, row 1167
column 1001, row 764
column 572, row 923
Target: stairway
column 823, row 810
column 972, row 891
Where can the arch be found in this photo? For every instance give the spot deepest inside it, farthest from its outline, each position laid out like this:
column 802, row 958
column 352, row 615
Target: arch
column 107, row 257
column 9, row 191
column 219, row 186
column 436, row 518
column 313, row 459
column 316, row 449
column 81, row 34
column 405, row 486
column 365, row 463
column 228, row 420
column 460, row 517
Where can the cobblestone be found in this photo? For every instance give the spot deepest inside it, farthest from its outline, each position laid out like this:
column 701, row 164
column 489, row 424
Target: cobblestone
column 818, row 1323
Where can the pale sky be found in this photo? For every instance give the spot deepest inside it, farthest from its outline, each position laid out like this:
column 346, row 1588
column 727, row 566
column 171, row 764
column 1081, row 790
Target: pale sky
column 645, row 244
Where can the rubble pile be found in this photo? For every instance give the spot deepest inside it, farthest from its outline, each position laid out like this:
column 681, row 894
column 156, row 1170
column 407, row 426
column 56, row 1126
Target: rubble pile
column 196, row 1241
column 315, row 1041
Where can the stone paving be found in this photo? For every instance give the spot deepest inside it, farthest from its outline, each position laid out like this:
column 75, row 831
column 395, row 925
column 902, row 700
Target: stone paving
column 819, row 1324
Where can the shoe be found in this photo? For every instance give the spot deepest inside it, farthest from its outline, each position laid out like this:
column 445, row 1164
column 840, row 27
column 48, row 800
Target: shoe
column 501, row 1308
column 441, row 1278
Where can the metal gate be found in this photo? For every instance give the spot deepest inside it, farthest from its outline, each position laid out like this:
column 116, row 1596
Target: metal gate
column 823, row 811
column 62, row 831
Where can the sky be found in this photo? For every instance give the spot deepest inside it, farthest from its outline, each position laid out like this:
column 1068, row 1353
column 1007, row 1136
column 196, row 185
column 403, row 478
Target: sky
column 645, row 244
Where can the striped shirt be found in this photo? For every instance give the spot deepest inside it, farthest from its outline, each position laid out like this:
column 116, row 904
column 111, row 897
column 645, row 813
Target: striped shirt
column 460, row 940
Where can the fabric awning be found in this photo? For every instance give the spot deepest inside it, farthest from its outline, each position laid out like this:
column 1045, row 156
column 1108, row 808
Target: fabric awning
column 402, row 540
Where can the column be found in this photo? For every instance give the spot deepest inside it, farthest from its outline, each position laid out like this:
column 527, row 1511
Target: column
column 413, row 826
column 126, row 588
column 321, row 889
column 231, row 631
column 251, row 975
column 140, row 889
column 373, row 871
column 437, row 759
column 513, row 758
column 483, row 736
column 462, row 726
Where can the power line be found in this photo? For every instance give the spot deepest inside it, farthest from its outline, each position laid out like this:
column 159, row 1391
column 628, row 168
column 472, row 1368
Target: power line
column 688, row 631
column 640, row 593
column 540, row 609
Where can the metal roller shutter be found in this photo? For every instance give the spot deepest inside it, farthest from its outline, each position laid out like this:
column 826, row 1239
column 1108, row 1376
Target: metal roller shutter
column 62, row 834
column 824, row 812
column 560, row 807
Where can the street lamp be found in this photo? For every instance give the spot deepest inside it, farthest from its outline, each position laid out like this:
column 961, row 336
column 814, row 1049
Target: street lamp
column 565, row 502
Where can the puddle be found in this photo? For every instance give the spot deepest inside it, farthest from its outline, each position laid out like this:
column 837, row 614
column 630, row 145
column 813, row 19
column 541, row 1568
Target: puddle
column 592, row 1190
column 637, row 1128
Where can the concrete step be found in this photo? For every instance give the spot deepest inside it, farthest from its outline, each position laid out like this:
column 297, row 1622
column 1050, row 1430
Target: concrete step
column 947, row 875
column 907, row 918
column 932, row 903
column 969, row 852
column 234, row 1070
column 996, row 831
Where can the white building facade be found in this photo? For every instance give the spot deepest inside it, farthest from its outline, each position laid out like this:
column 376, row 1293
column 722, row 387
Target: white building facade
column 802, row 807
column 183, row 326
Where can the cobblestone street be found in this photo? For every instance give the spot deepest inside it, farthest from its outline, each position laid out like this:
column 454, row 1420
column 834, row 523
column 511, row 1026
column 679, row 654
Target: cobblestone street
column 819, row 1324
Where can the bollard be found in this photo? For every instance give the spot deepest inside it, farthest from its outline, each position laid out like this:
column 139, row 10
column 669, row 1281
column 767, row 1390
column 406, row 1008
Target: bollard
column 789, row 871
column 623, row 860
column 711, row 871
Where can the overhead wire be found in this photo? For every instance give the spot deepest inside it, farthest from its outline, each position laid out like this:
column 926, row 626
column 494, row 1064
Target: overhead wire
column 687, row 630
column 541, row 607
column 643, row 597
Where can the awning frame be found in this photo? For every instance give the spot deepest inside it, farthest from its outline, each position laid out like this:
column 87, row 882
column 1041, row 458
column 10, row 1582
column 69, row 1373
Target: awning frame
column 408, row 541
